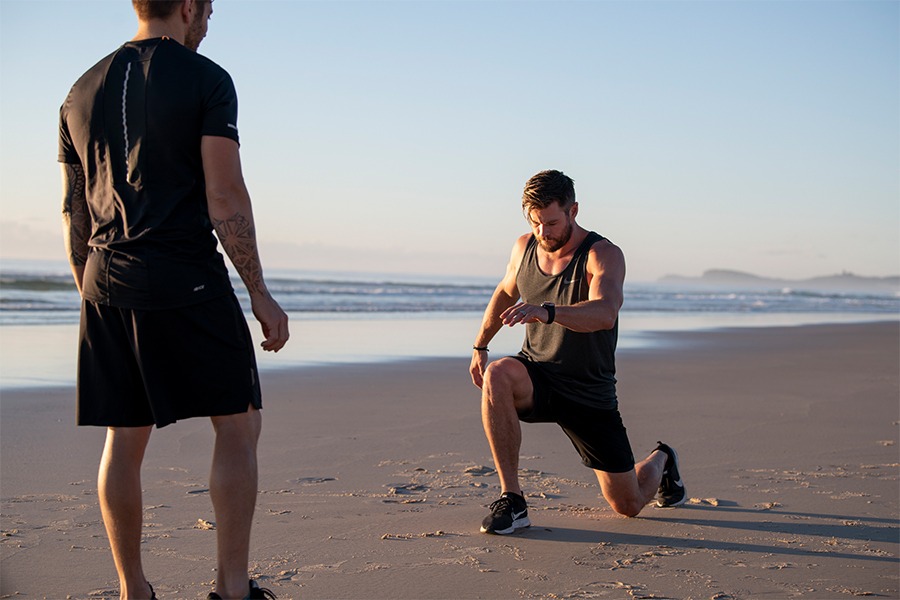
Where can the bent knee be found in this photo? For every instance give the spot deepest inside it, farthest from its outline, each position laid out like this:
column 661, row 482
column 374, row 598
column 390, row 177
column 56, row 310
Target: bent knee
column 504, row 372
column 497, row 369
column 627, row 508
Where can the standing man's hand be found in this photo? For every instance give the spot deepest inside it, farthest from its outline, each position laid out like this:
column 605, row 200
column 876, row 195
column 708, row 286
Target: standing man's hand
column 476, row 369
column 273, row 320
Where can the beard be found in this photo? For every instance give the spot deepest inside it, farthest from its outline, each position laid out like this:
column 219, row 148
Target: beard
column 554, row 244
column 195, row 32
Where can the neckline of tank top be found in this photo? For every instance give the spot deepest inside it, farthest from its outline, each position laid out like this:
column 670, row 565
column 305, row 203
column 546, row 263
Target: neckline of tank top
column 578, row 252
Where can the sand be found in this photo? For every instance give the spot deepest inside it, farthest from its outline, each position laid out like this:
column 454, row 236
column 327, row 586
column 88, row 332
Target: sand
column 374, row 479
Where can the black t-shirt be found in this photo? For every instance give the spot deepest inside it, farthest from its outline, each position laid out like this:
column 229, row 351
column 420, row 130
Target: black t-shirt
column 134, row 123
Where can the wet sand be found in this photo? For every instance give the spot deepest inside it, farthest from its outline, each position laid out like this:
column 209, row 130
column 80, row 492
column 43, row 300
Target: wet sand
column 374, row 479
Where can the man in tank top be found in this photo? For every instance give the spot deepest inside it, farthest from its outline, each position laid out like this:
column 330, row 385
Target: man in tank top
column 564, row 283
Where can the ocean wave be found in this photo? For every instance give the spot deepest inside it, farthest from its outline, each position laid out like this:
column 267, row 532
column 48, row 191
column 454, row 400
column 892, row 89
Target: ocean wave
column 37, row 283
column 49, row 297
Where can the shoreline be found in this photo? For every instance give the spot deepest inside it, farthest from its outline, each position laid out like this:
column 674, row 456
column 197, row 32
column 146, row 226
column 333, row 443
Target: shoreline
column 370, row 483
column 44, row 356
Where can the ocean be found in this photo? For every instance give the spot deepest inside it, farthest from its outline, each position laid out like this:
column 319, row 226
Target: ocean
column 339, row 317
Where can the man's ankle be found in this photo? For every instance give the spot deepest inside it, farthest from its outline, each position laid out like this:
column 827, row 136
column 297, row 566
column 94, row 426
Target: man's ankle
column 138, row 590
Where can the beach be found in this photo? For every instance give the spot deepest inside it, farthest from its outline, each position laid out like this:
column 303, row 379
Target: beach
column 374, row 478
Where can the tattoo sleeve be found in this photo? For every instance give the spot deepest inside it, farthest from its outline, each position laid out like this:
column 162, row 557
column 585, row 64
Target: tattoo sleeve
column 238, row 238
column 75, row 215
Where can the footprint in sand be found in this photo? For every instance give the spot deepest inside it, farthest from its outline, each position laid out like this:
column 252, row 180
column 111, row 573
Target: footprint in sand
column 479, row 471
column 312, row 480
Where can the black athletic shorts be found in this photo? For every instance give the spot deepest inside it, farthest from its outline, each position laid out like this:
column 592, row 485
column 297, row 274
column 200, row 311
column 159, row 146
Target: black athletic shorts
column 597, row 433
column 154, row 367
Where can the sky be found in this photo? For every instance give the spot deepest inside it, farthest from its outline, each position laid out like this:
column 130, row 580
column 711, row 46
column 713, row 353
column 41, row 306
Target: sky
column 397, row 136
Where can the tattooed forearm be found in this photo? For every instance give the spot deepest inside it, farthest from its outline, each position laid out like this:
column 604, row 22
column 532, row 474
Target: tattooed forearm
column 75, row 215
column 238, row 238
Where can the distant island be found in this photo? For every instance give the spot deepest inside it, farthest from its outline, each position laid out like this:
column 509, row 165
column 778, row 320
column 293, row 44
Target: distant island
column 844, row 281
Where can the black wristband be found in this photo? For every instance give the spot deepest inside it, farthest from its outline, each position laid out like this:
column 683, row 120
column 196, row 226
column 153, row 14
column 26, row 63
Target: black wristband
column 551, row 311
column 482, row 349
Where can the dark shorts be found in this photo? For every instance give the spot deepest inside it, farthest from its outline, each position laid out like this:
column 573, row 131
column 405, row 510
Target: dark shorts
column 597, row 433
column 154, row 367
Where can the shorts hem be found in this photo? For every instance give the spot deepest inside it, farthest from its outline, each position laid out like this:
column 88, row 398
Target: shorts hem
column 90, row 423
column 588, row 464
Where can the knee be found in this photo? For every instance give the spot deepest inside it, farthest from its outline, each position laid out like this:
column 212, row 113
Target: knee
column 627, row 507
column 499, row 374
column 241, row 429
column 497, row 384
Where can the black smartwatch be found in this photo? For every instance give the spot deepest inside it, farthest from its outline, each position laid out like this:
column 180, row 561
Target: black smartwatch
column 551, row 311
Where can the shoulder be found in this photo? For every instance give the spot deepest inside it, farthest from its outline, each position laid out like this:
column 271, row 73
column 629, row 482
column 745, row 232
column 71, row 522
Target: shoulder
column 195, row 63
column 523, row 241
column 520, row 246
column 516, row 256
column 93, row 77
column 209, row 65
column 82, row 98
column 217, row 83
column 604, row 247
column 605, row 256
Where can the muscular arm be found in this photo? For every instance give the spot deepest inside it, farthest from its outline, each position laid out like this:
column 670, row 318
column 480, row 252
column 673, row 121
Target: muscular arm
column 76, row 219
column 606, row 270
column 232, row 217
column 504, row 296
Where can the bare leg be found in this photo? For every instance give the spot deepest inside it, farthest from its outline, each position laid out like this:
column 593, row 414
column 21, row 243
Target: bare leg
column 507, row 389
column 628, row 493
column 232, row 487
column 119, row 487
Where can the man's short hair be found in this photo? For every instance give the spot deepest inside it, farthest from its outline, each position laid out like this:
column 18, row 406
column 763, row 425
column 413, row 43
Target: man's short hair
column 157, row 9
column 548, row 187
column 154, row 9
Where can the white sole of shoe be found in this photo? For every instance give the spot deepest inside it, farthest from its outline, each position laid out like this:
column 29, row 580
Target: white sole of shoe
column 517, row 524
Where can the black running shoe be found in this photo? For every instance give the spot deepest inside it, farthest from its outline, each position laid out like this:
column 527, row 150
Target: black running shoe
column 508, row 513
column 671, row 489
column 256, row 593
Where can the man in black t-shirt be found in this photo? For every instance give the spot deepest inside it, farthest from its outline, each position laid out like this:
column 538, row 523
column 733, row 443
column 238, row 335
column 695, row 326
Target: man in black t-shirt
column 151, row 166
